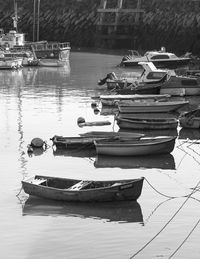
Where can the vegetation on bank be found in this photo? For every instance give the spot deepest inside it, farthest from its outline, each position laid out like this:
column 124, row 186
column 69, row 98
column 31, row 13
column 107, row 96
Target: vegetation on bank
column 169, row 23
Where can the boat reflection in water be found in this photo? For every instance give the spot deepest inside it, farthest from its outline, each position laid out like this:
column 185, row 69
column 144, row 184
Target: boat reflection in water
column 123, row 211
column 75, row 152
column 192, row 134
column 165, row 161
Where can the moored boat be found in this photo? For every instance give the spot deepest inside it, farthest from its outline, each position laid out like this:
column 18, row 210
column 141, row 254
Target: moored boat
column 159, row 106
column 190, row 119
column 147, row 123
column 160, row 58
column 143, row 146
column 87, row 140
column 64, row 189
column 111, row 100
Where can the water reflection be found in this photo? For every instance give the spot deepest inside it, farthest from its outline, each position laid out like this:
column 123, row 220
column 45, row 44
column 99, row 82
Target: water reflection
column 127, row 211
column 165, row 161
column 192, row 134
column 75, row 152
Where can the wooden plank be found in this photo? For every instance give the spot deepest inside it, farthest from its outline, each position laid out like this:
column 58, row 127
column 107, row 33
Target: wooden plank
column 120, row 10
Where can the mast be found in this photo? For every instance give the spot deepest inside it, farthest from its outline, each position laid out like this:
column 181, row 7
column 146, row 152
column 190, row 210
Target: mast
column 34, row 9
column 15, row 18
column 38, row 20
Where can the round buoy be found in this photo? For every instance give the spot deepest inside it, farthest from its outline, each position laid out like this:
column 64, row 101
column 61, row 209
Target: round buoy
column 93, row 105
column 96, row 111
column 80, row 120
column 37, row 142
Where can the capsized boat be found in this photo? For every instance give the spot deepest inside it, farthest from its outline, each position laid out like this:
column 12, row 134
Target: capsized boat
column 160, row 59
column 64, row 189
column 190, row 119
column 143, row 146
column 158, row 106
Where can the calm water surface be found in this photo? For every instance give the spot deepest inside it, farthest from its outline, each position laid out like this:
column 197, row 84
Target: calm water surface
column 42, row 102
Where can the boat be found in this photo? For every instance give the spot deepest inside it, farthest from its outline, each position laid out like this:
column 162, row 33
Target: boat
column 64, row 189
column 10, row 62
column 160, row 58
column 151, row 77
column 111, row 100
column 86, row 140
column 190, row 119
column 111, row 134
column 143, row 146
column 147, row 123
column 149, row 107
column 180, row 85
column 27, row 56
column 127, row 211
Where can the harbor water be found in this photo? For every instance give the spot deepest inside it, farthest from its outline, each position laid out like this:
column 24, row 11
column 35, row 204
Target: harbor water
column 43, row 102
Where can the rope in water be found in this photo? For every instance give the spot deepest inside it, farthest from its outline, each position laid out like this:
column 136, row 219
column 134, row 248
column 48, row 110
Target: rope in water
column 168, row 222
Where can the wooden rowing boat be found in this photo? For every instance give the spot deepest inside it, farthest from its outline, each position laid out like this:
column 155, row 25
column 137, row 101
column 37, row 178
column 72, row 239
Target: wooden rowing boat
column 147, row 123
column 111, row 100
column 64, row 189
column 143, row 146
column 142, row 107
column 86, row 140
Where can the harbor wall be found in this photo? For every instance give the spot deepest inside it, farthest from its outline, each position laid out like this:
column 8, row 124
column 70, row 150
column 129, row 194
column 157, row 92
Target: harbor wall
column 169, row 23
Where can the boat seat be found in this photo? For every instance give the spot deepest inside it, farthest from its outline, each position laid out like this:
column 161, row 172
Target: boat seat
column 78, row 186
column 38, row 181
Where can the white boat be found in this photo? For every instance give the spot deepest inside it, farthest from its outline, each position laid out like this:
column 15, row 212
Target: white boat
column 149, row 76
column 143, row 146
column 111, row 100
column 149, row 107
column 160, row 59
column 10, row 62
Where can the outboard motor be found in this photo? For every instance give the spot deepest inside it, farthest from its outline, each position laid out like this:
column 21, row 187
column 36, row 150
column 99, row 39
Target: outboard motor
column 111, row 76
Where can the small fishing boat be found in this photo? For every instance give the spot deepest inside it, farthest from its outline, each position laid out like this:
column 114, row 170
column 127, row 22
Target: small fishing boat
column 86, row 140
column 147, row 123
column 190, row 119
column 160, row 58
column 64, row 189
column 158, row 106
column 112, row 134
column 143, row 146
column 111, row 100
column 10, row 62
column 148, row 82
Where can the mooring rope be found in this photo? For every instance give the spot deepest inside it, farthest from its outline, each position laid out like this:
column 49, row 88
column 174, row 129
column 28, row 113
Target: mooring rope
column 168, row 222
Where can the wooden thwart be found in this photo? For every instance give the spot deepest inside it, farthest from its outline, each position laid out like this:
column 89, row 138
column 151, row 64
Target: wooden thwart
column 80, row 185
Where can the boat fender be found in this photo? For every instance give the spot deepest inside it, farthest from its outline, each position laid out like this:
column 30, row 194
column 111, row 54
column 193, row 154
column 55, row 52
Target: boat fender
column 80, row 120
column 93, row 104
column 29, row 149
column 37, row 142
column 96, row 111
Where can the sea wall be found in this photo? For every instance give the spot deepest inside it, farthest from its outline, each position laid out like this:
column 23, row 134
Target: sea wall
column 174, row 24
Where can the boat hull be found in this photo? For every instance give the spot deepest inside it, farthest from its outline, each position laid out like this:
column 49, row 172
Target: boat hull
column 151, row 107
column 129, row 190
column 171, row 64
column 136, row 123
column 154, row 146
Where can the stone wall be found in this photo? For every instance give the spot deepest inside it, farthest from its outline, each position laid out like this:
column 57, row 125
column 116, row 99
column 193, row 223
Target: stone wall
column 174, row 24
